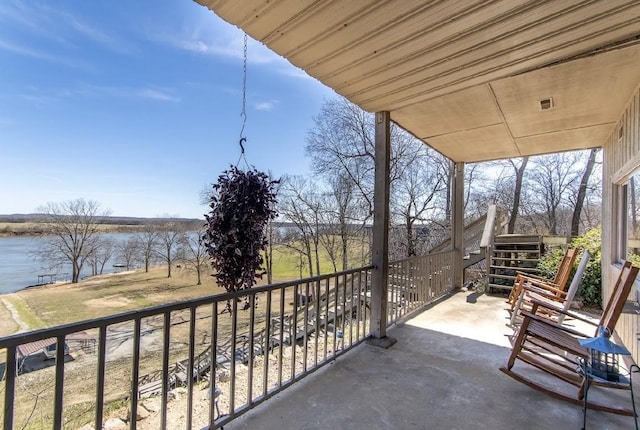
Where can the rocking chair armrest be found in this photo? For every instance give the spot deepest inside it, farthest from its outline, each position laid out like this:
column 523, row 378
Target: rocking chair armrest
column 547, row 287
column 551, row 323
column 539, row 303
column 530, row 276
column 533, row 294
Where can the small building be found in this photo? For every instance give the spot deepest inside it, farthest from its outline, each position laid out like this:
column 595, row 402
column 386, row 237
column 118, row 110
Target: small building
column 48, row 347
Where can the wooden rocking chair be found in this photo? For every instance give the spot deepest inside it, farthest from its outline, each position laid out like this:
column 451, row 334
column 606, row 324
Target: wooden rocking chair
column 550, row 295
column 555, row 350
column 559, row 282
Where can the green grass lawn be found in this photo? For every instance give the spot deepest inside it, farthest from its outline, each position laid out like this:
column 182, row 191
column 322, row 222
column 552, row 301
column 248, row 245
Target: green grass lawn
column 286, row 262
column 103, row 295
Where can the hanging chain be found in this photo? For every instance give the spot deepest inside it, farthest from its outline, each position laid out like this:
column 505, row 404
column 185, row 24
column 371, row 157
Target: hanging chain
column 243, row 114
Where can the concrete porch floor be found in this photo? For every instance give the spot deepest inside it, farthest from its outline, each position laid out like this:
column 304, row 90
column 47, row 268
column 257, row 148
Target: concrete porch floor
column 443, row 373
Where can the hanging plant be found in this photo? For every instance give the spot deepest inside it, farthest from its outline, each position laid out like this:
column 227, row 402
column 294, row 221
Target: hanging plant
column 241, row 206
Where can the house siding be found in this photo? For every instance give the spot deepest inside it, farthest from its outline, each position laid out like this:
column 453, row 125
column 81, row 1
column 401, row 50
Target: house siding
column 621, row 157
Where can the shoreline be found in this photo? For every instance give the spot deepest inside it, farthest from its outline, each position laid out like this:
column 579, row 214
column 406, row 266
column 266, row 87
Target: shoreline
column 96, row 296
column 67, row 281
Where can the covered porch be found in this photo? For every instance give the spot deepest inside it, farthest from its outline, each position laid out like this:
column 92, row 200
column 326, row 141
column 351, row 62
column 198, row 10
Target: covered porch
column 442, row 373
column 477, row 81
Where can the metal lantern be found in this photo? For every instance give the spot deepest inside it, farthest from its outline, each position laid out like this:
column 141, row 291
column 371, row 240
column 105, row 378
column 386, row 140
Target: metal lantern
column 604, row 362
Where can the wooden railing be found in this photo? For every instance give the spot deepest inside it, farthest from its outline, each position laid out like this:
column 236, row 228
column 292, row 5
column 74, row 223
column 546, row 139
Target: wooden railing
column 418, row 281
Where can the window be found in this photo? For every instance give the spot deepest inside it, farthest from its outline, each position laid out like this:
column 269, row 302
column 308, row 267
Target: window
column 632, row 239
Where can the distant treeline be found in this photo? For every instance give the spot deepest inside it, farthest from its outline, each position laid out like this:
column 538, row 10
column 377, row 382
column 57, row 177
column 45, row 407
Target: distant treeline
column 112, row 220
column 34, row 225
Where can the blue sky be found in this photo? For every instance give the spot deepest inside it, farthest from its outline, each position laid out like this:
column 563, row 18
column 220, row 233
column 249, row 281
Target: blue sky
column 137, row 105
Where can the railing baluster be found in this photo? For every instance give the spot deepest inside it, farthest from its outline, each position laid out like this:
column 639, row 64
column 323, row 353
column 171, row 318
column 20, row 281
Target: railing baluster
column 281, row 340
column 344, row 310
column 59, row 391
column 358, row 315
column 252, row 323
column 102, row 350
column 293, row 337
column 305, row 327
column 351, row 304
column 402, row 300
column 365, row 329
column 191, row 365
column 135, row 372
column 316, row 307
column 326, row 317
column 430, row 279
column 442, row 274
column 398, row 281
column 166, row 332
column 406, row 292
column 392, row 306
column 232, row 376
column 9, row 387
column 267, row 346
column 392, row 293
column 336, row 288
column 213, row 364
column 423, row 281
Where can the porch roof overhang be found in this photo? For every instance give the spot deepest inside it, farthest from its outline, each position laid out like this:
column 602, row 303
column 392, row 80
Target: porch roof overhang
column 467, row 77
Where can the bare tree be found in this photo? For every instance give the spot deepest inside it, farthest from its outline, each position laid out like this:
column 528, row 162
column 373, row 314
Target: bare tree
column 449, row 175
column 342, row 141
column 73, row 226
column 552, row 177
column 582, row 192
column 101, row 252
column 417, row 196
column 300, row 205
column 147, row 242
column 127, row 252
column 517, row 191
column 340, row 212
column 193, row 252
column 273, row 238
column 170, row 234
column 272, row 234
column 475, row 190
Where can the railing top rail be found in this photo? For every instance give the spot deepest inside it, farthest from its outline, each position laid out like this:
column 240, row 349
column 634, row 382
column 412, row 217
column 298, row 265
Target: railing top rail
column 417, row 257
column 471, row 230
column 64, row 329
column 489, row 227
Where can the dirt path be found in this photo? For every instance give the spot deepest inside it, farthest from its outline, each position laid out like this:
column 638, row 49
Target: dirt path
column 7, row 324
column 22, row 326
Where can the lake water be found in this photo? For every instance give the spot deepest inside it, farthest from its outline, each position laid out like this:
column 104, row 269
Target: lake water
column 19, row 268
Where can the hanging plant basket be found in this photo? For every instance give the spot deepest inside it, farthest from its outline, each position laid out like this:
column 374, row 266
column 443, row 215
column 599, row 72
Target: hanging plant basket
column 242, row 203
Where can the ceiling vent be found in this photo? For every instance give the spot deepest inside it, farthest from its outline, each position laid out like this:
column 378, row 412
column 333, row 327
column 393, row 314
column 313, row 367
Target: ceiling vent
column 546, row 104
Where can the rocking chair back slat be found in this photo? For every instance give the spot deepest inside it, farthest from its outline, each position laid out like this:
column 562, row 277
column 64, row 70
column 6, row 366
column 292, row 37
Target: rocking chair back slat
column 616, row 302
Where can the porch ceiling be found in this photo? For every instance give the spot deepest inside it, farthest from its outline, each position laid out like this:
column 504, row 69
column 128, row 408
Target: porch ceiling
column 465, row 76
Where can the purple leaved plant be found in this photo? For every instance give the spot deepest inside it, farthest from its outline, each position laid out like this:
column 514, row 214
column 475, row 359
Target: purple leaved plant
column 242, row 203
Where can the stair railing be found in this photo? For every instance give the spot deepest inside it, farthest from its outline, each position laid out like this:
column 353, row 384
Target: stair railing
column 492, row 227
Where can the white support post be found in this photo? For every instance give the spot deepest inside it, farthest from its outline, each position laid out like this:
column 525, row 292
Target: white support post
column 457, row 231
column 380, row 251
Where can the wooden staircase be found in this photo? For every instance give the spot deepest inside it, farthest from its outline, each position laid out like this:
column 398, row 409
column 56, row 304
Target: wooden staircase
column 473, row 252
column 512, row 253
